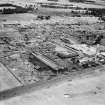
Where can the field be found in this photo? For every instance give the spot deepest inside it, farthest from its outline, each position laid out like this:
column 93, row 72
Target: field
column 79, row 91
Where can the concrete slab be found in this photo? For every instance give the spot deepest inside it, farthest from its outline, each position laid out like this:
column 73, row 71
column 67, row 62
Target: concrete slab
column 7, row 80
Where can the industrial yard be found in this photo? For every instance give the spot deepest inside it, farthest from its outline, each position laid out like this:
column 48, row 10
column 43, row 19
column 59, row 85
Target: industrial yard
column 50, row 46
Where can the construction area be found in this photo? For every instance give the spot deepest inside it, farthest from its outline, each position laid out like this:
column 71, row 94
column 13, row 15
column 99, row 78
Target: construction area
column 52, row 46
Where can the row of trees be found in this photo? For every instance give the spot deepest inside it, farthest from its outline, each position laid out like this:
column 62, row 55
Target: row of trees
column 16, row 10
column 91, row 39
column 98, row 12
column 77, row 1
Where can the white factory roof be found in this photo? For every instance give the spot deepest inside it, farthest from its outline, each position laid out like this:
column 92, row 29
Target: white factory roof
column 85, row 49
column 103, row 53
column 85, row 59
column 61, row 49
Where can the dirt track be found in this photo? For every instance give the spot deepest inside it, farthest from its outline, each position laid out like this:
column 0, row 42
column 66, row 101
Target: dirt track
column 84, row 88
